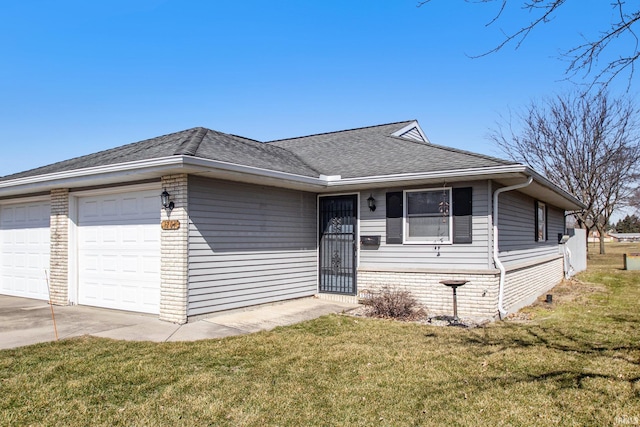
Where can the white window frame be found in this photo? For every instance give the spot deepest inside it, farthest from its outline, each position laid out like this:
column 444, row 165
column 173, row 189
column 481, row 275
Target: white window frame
column 427, row 241
column 542, row 222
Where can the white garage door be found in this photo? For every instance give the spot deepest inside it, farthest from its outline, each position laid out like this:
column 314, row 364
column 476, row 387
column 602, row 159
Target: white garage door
column 24, row 249
column 119, row 251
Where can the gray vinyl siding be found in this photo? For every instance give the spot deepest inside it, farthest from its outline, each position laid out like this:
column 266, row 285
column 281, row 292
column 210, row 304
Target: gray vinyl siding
column 249, row 245
column 516, row 231
column 474, row 255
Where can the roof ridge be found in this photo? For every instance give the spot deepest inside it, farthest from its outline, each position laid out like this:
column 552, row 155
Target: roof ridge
column 97, row 153
column 245, row 140
column 340, row 131
column 242, row 137
column 294, row 155
column 470, row 153
column 190, row 144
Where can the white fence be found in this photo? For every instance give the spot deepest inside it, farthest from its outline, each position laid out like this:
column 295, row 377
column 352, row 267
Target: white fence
column 576, row 251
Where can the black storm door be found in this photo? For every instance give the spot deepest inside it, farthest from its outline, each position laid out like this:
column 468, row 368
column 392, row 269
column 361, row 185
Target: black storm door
column 338, row 222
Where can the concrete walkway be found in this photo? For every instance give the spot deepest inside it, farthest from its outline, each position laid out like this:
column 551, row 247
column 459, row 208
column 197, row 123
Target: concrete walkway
column 26, row 321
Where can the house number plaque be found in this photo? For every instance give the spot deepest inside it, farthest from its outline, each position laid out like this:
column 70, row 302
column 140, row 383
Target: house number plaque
column 170, row 224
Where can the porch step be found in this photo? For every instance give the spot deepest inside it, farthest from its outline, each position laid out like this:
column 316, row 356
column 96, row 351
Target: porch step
column 349, row 299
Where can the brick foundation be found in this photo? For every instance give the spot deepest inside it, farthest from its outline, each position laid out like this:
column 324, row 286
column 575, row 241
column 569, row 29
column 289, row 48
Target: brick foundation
column 478, row 299
column 524, row 285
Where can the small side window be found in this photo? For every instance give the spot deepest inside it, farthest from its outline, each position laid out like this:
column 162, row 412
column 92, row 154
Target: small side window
column 541, row 222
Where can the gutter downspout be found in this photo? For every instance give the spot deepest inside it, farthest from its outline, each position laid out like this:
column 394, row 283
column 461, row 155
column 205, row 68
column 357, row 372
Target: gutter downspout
column 501, row 311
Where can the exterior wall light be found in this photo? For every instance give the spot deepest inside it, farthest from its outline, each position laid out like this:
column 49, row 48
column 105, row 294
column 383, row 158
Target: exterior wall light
column 371, row 202
column 164, row 199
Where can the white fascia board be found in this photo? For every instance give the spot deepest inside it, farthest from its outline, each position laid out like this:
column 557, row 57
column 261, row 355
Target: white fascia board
column 125, row 171
column 454, row 173
column 472, row 174
column 120, row 172
column 550, row 185
column 86, row 172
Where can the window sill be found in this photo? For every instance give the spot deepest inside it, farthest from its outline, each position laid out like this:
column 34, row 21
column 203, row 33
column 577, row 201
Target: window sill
column 424, row 243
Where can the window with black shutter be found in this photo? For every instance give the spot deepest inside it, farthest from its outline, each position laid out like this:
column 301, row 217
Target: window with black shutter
column 428, row 218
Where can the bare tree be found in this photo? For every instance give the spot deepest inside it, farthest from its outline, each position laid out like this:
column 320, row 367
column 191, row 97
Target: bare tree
column 589, row 145
column 618, row 34
column 634, row 200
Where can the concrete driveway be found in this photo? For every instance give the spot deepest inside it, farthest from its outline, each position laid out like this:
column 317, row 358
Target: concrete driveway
column 26, row 321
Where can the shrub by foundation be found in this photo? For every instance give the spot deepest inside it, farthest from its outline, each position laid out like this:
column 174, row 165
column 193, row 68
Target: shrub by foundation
column 392, row 304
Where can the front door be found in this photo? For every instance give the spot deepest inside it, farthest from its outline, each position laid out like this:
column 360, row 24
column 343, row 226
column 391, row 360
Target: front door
column 338, row 223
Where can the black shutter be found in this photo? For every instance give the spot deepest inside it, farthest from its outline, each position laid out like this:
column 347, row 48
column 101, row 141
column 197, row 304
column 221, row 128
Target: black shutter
column 394, row 217
column 462, row 215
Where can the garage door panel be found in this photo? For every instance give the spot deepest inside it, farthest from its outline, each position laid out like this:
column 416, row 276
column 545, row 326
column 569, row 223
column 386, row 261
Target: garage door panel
column 130, row 294
column 119, row 251
column 108, row 235
column 131, row 264
column 91, row 290
column 24, row 249
column 20, row 262
column 33, row 285
column 6, row 285
column 150, row 264
column 149, row 236
column 109, row 263
column 110, row 292
column 130, row 236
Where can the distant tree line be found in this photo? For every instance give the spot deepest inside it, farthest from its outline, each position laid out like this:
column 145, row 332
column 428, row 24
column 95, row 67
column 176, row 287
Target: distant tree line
column 629, row 224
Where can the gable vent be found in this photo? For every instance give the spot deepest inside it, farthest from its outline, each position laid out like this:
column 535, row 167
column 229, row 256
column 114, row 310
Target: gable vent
column 412, row 132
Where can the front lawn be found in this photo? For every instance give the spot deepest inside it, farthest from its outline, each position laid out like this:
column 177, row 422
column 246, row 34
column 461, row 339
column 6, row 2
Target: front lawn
column 576, row 362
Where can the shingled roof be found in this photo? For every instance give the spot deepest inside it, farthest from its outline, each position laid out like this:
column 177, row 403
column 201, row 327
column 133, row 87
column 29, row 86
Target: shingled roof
column 377, row 151
column 197, row 142
column 372, row 155
column 368, row 151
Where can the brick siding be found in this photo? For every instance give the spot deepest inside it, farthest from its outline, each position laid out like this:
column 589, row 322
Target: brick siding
column 59, row 252
column 523, row 286
column 174, row 254
column 478, row 299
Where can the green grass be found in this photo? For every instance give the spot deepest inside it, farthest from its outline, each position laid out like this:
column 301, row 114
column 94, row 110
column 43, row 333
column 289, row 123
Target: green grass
column 574, row 363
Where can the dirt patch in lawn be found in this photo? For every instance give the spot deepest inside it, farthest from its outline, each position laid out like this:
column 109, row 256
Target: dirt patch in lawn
column 565, row 292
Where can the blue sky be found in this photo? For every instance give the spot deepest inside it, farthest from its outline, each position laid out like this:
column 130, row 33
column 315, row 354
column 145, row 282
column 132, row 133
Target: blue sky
column 83, row 76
